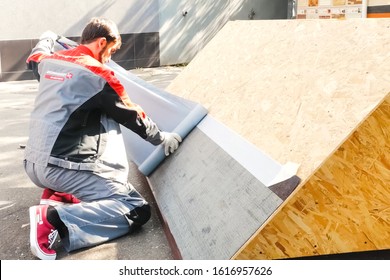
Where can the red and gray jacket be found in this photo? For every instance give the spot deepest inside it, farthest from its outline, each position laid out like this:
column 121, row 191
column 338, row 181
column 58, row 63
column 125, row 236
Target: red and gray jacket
column 76, row 116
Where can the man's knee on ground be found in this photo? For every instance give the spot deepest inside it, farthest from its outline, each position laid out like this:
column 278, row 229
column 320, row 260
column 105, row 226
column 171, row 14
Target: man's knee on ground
column 140, row 215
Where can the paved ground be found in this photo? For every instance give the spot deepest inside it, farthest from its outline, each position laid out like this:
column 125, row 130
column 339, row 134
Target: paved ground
column 17, row 192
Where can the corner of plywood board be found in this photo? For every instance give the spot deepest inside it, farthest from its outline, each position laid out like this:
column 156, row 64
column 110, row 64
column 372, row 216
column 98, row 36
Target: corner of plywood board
column 342, row 207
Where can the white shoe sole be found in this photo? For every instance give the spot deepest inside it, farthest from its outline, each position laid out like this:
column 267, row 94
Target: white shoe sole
column 35, row 249
column 50, row 202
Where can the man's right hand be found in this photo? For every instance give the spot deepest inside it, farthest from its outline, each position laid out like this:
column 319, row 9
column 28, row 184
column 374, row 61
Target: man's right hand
column 171, row 142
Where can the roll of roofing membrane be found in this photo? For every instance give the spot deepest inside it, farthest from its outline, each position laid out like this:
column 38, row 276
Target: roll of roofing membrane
column 169, row 112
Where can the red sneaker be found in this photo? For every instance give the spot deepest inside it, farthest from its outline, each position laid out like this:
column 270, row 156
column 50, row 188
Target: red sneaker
column 53, row 198
column 42, row 233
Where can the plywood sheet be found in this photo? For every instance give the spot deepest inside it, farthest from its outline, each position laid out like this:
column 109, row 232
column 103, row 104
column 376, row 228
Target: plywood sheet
column 316, row 93
column 293, row 88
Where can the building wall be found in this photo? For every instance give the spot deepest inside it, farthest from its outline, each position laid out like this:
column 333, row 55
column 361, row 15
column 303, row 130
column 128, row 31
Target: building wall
column 138, row 22
column 154, row 32
column 186, row 26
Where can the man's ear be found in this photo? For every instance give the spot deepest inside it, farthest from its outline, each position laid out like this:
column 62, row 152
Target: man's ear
column 102, row 42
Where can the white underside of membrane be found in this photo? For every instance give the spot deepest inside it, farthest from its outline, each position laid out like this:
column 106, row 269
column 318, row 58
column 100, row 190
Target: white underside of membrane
column 259, row 164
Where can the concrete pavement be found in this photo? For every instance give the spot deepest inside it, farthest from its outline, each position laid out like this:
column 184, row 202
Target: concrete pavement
column 18, row 193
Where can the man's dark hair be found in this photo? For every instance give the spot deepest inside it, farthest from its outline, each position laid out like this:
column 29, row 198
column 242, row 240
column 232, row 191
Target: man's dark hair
column 98, row 28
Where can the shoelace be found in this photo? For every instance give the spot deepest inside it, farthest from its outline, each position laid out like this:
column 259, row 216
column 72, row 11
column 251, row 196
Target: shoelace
column 52, row 237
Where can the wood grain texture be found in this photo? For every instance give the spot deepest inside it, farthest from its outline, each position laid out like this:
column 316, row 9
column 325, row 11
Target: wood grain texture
column 344, row 207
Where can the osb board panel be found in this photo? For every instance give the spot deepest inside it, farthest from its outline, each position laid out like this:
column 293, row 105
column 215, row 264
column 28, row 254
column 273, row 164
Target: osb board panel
column 344, row 207
column 293, row 88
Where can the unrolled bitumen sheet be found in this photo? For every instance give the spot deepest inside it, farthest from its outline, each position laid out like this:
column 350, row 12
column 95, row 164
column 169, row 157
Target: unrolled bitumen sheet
column 217, row 189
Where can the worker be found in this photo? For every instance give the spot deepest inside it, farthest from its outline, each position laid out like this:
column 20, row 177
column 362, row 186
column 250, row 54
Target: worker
column 75, row 146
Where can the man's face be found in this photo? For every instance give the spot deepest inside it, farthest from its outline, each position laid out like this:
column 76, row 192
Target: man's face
column 107, row 51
